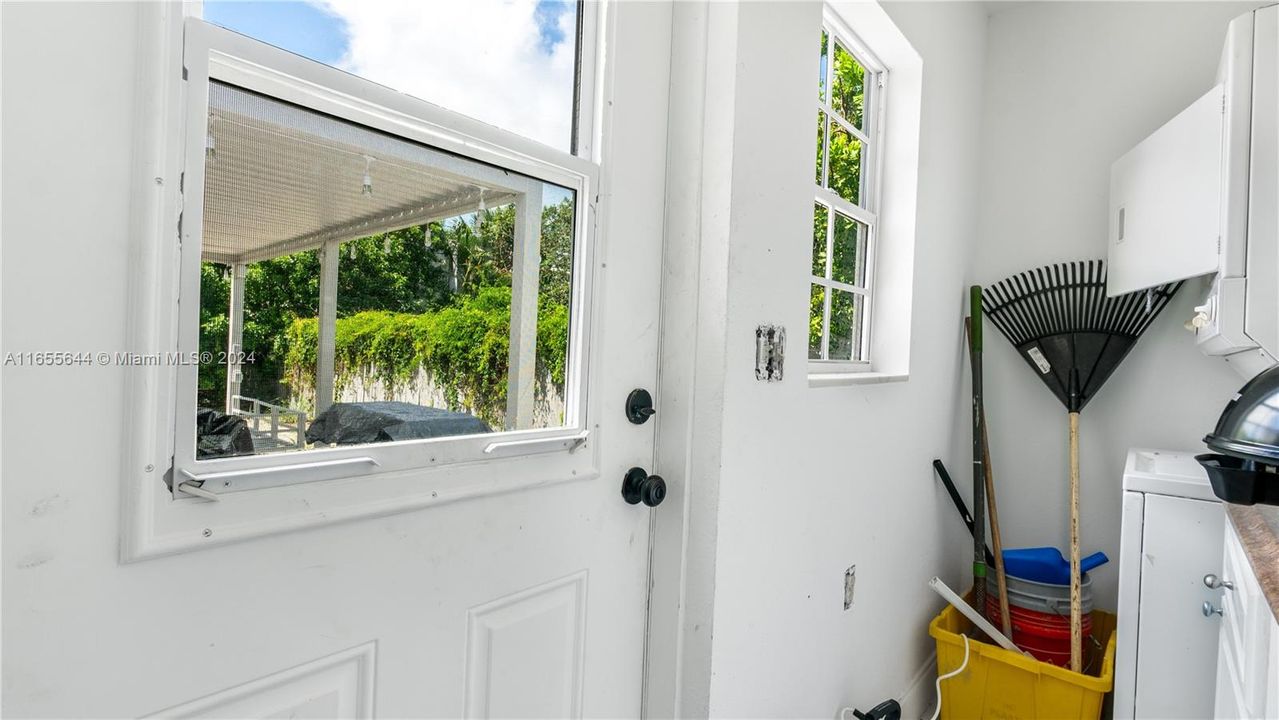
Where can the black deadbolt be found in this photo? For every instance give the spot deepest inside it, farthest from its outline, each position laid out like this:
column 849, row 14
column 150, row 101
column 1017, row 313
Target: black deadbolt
column 638, row 486
column 639, row 406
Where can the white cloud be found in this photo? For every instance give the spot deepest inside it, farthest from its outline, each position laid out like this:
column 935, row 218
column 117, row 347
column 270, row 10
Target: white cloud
column 484, row 58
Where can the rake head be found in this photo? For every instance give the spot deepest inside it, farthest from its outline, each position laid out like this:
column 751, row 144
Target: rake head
column 1072, row 335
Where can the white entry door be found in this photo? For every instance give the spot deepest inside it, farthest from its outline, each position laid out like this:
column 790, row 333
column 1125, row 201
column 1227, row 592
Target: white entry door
column 478, row 574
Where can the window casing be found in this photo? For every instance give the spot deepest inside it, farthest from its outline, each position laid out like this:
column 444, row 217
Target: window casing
column 213, row 57
column 851, row 85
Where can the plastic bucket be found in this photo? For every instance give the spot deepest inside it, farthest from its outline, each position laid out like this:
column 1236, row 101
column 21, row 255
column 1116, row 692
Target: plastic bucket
column 1041, row 597
column 999, row 683
column 1044, row 635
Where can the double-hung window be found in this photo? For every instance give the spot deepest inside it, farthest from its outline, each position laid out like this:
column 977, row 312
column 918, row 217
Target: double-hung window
column 845, row 224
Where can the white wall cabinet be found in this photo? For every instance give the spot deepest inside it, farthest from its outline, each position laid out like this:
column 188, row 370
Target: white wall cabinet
column 1165, row 201
column 1248, row 642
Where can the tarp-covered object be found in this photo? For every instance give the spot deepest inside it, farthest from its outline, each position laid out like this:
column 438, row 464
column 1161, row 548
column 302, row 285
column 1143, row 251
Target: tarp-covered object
column 220, row 435
column 372, row 422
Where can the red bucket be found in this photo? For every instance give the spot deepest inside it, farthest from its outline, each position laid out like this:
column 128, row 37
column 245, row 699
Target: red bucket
column 1046, row 636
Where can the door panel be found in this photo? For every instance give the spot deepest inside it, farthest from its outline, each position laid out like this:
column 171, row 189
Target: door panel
column 339, row 686
column 524, row 652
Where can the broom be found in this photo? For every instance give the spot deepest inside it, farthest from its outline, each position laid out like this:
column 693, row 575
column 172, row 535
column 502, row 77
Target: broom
column 1073, row 337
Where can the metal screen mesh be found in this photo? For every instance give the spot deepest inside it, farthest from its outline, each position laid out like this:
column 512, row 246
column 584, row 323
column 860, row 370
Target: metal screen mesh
column 280, row 178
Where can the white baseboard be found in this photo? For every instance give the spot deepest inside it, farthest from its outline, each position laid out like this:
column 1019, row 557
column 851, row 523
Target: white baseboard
column 918, row 699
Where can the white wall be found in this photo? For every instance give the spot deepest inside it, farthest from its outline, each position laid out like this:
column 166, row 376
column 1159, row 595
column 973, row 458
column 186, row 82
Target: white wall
column 811, row 481
column 1069, row 88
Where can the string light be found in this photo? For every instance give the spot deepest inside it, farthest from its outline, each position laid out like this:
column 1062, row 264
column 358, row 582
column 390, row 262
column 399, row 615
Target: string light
column 367, row 189
column 210, row 145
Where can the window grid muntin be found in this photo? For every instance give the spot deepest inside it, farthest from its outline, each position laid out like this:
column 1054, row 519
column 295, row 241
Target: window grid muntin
column 829, row 283
column 873, row 87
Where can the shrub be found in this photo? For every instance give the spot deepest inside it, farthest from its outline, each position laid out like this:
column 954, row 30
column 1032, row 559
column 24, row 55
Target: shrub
column 463, row 348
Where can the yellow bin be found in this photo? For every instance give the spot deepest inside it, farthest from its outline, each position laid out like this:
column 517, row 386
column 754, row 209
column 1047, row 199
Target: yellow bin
column 999, row 683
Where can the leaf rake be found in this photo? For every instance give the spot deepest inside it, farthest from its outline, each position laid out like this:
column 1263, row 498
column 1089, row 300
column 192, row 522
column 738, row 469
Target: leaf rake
column 1073, row 337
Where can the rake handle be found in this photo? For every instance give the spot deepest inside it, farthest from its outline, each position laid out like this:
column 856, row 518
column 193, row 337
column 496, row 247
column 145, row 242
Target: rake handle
column 1076, row 600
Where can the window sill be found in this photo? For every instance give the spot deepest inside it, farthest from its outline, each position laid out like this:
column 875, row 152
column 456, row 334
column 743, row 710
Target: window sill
column 843, row 379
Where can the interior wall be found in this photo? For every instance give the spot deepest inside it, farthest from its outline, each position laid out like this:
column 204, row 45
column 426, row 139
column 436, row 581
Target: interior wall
column 1069, row 87
column 812, row 481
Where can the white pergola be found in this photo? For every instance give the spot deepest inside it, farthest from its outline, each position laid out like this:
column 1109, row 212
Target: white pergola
column 281, row 179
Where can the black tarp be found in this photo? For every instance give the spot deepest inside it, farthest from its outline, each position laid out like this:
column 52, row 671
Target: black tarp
column 220, row 435
column 372, row 422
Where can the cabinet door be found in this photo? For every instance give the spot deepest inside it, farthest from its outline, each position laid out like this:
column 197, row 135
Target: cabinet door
column 1272, row 675
column 1177, row 656
column 1165, row 201
column 1227, row 705
column 1245, row 628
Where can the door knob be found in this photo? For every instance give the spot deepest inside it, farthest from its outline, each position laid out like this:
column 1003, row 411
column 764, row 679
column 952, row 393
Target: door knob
column 638, row 486
column 1209, row 610
column 1213, row 582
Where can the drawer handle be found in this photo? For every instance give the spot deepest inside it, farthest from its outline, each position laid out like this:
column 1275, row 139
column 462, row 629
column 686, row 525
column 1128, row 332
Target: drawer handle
column 1213, row 582
column 1209, row 610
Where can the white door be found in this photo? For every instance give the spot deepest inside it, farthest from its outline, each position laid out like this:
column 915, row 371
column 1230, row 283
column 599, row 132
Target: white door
column 499, row 576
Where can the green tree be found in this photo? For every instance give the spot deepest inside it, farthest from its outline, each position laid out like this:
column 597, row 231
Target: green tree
column 419, row 270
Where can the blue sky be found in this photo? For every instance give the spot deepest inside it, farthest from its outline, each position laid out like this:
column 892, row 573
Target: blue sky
column 308, row 30
column 506, row 62
column 296, row 26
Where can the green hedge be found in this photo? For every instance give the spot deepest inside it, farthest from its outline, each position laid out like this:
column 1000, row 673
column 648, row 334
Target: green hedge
column 462, row 347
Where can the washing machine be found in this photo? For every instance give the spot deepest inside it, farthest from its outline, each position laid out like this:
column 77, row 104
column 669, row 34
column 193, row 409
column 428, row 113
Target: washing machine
column 1172, row 535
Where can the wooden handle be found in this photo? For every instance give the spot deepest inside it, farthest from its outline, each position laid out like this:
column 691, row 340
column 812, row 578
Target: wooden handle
column 1000, row 578
column 1076, row 600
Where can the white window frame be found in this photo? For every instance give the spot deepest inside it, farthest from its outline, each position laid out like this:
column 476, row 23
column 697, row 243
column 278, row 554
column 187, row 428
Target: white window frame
column 875, row 83
column 890, row 189
column 287, row 491
column 216, row 54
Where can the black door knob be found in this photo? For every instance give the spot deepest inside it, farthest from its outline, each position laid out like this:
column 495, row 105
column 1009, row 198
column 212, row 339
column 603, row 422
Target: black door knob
column 640, row 487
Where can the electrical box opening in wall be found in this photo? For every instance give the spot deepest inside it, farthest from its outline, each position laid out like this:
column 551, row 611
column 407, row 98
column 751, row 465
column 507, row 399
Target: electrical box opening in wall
column 850, row 581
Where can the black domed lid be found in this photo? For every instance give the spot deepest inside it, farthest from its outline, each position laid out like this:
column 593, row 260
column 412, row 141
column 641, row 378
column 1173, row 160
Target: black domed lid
column 1249, row 426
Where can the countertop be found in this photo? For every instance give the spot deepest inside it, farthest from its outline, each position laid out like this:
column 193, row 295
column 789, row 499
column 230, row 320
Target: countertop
column 1258, row 530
